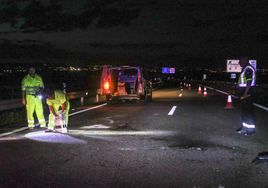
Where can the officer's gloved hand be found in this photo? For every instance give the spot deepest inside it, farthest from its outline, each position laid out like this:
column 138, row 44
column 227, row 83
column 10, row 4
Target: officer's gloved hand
column 63, row 115
column 244, row 97
column 56, row 117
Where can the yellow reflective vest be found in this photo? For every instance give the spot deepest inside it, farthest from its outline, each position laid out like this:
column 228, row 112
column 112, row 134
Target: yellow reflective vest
column 60, row 98
column 247, row 74
column 32, row 85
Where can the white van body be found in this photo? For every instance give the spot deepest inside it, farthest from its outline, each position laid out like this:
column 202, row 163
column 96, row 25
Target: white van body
column 125, row 83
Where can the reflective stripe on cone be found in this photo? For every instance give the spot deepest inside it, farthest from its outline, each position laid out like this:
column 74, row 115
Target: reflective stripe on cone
column 229, row 102
column 199, row 90
column 205, row 92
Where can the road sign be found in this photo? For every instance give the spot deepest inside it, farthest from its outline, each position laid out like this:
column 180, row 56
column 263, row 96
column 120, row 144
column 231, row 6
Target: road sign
column 233, row 65
column 172, row 70
column 233, row 76
column 253, row 63
column 165, row 70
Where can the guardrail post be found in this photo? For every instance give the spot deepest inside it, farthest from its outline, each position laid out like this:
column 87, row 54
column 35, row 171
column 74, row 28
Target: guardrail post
column 97, row 98
column 82, row 101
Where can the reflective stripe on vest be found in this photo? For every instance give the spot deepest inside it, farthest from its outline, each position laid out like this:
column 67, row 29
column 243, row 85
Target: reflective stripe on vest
column 248, row 126
column 242, row 78
column 32, row 85
column 31, row 90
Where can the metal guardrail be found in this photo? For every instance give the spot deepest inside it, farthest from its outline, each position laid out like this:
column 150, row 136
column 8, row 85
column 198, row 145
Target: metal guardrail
column 16, row 103
column 13, row 111
column 230, row 84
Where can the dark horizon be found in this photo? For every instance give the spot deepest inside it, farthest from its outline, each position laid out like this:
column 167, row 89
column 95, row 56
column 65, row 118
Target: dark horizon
column 167, row 33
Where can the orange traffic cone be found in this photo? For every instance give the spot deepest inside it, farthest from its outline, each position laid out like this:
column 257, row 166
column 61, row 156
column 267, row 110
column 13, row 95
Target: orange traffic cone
column 229, row 102
column 199, row 90
column 189, row 86
column 205, row 92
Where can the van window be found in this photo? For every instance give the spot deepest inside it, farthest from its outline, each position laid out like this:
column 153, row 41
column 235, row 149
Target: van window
column 130, row 72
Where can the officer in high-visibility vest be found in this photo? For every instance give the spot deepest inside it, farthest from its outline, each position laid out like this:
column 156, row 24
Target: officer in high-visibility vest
column 247, row 82
column 32, row 86
column 55, row 100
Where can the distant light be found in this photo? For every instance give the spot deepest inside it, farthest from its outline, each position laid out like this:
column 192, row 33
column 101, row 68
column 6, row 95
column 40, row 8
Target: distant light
column 86, row 93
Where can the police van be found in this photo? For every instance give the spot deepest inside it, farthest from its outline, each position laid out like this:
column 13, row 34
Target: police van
column 125, row 83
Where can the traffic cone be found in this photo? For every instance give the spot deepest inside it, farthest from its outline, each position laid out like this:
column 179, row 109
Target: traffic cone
column 205, row 92
column 189, row 86
column 199, row 90
column 229, row 102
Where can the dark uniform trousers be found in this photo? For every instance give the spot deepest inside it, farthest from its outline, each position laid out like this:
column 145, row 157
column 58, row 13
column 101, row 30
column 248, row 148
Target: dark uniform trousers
column 248, row 112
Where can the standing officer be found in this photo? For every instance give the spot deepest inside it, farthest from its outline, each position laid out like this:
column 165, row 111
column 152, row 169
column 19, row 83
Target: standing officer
column 246, row 83
column 55, row 100
column 31, row 86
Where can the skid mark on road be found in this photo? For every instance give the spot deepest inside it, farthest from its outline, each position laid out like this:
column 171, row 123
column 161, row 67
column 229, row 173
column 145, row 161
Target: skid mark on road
column 99, row 126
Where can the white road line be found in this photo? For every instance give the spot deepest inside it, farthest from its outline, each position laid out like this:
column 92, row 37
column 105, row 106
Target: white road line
column 17, row 130
column 260, row 106
column 210, row 88
column 87, row 109
column 221, row 91
column 123, row 133
column 172, row 110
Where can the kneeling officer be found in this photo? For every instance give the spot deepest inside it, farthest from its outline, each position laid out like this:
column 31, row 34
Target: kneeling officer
column 55, row 100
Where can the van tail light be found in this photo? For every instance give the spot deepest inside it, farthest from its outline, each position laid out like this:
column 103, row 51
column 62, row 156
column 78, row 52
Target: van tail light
column 140, row 90
column 106, row 85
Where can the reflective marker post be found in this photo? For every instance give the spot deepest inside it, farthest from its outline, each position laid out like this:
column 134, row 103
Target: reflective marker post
column 82, row 101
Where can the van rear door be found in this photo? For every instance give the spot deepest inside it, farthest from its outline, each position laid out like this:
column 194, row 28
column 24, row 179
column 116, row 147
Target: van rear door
column 104, row 77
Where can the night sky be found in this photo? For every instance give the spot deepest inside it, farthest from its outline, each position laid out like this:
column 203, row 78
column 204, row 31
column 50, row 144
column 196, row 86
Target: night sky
column 182, row 33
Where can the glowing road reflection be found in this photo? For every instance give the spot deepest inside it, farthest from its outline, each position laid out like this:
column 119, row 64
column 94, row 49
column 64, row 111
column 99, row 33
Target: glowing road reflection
column 53, row 138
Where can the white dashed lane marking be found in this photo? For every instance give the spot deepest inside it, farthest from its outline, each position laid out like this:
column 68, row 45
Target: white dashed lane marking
column 172, row 110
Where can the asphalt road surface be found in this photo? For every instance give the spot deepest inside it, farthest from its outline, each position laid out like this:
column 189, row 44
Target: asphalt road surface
column 180, row 139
